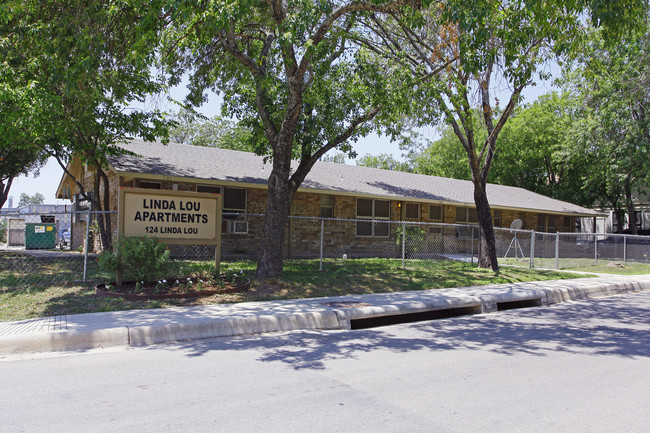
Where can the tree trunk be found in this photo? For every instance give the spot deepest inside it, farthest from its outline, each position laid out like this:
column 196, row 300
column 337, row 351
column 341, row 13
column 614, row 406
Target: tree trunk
column 105, row 219
column 269, row 262
column 487, row 244
column 620, row 217
column 4, row 190
column 280, row 193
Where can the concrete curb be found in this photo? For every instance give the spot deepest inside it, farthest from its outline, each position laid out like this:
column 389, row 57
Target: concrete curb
column 588, row 290
column 143, row 327
column 64, row 341
column 144, row 335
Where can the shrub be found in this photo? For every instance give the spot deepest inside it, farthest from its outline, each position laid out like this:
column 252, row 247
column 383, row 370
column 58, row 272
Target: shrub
column 139, row 259
column 415, row 239
column 3, row 231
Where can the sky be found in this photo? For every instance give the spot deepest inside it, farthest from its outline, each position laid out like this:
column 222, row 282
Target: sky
column 50, row 175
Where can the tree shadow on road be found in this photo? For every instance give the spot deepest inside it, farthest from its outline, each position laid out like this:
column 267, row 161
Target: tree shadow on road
column 596, row 328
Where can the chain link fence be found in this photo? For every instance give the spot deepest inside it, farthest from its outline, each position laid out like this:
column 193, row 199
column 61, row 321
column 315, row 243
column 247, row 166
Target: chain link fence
column 62, row 248
column 570, row 250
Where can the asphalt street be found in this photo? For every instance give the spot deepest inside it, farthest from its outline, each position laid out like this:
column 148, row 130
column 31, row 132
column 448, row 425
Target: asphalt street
column 571, row 367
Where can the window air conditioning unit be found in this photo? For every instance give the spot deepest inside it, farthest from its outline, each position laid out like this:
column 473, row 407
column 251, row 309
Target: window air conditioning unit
column 240, row 227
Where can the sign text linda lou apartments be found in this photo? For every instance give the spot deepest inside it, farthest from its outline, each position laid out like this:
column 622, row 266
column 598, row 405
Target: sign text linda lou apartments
column 170, row 211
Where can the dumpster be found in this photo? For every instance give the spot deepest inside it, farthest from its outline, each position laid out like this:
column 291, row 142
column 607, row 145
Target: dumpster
column 40, row 236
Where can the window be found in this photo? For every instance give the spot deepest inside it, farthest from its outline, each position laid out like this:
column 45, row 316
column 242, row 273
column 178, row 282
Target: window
column 546, row 223
column 498, row 218
column 327, row 206
column 522, row 217
column 466, row 215
column 567, row 221
column 550, row 219
column 208, row 188
column 412, row 211
column 149, row 185
column 435, row 212
column 373, row 209
column 234, row 200
column 541, row 222
column 472, row 216
column 364, row 208
column 234, row 208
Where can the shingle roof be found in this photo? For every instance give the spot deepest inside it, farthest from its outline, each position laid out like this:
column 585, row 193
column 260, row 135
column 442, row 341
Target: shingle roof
column 224, row 165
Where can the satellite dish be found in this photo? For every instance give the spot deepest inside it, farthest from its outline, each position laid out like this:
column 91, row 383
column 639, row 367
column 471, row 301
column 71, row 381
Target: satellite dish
column 514, row 243
column 516, row 224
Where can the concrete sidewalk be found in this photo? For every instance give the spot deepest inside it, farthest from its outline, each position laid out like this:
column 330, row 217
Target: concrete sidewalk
column 141, row 327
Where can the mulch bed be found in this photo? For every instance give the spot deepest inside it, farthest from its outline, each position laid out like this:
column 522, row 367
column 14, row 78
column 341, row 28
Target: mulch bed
column 148, row 291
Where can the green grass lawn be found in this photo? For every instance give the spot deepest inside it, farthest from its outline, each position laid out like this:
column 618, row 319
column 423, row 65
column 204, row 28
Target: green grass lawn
column 616, row 267
column 301, row 279
column 18, row 269
column 602, row 266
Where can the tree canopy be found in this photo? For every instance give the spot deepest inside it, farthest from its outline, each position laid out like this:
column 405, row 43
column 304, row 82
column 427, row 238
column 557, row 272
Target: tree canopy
column 15, row 160
column 197, row 130
column 537, row 150
column 76, row 67
column 289, row 72
column 26, row 199
column 383, row 161
column 612, row 82
column 462, row 49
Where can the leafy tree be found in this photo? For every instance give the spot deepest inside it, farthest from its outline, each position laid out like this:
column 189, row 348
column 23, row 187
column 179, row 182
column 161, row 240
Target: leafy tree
column 481, row 44
column 14, row 161
column 26, row 199
column 537, row 150
column 383, row 161
column 17, row 154
column 289, row 71
column 76, row 66
column 444, row 157
column 191, row 128
column 612, row 82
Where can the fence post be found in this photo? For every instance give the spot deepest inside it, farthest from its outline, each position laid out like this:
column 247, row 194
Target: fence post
column 86, row 245
column 557, row 250
column 624, row 249
column 595, row 249
column 403, row 244
column 322, row 231
column 532, row 249
column 472, row 252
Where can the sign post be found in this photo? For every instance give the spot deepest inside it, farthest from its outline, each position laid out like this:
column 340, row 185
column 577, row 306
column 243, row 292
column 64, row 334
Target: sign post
column 175, row 217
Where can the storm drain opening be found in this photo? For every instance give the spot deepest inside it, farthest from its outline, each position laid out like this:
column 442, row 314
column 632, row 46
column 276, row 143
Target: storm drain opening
column 513, row 305
column 374, row 322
